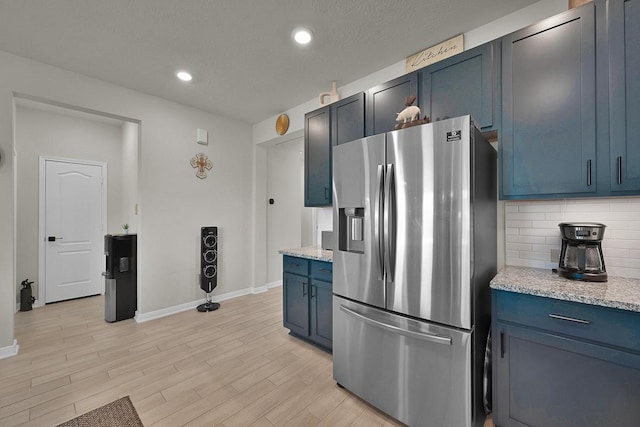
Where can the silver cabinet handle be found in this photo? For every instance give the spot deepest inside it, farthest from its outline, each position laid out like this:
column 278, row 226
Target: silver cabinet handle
column 569, row 319
column 419, row 335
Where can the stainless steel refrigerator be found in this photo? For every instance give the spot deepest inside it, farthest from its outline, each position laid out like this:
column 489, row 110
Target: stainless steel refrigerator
column 415, row 248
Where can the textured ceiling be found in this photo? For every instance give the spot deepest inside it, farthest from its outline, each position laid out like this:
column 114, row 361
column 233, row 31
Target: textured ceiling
column 240, row 53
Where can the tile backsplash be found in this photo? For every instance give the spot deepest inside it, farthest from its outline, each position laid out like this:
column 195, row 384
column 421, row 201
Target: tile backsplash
column 532, row 232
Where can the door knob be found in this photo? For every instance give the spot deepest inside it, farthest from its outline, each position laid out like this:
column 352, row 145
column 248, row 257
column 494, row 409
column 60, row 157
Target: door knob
column 53, row 238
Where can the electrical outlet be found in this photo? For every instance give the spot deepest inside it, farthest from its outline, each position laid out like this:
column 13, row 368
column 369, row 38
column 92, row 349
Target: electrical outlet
column 555, row 255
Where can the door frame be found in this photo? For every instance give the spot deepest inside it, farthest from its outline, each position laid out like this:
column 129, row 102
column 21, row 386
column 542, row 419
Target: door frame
column 42, row 216
column 299, row 142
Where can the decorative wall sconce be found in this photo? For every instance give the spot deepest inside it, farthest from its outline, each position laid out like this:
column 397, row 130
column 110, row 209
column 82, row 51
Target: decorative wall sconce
column 201, row 162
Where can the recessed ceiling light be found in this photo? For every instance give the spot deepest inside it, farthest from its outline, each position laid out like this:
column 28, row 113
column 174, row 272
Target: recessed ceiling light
column 302, row 36
column 184, row 76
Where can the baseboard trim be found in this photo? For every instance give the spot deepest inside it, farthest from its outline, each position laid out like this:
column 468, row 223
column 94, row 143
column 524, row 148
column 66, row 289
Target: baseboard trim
column 9, row 351
column 265, row 288
column 157, row 314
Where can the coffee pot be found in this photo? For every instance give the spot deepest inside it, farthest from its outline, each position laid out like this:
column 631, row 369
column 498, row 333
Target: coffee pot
column 581, row 255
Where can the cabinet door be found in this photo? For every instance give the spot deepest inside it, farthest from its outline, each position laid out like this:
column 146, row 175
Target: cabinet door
column 317, row 157
column 296, row 303
column 467, row 83
column 385, row 101
column 548, row 142
column 555, row 381
column 347, row 119
column 624, row 92
column 321, row 313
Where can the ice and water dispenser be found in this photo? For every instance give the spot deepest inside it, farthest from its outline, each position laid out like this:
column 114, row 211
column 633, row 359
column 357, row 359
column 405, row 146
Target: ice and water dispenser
column 121, row 290
column 351, row 230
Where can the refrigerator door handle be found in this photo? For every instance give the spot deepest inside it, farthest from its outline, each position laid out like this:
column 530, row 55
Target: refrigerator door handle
column 377, row 213
column 389, row 222
column 418, row 335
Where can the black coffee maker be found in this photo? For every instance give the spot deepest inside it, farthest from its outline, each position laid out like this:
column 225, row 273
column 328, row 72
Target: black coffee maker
column 581, row 255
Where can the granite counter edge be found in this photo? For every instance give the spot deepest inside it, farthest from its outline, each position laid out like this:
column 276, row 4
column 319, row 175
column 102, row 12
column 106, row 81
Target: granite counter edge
column 309, row 252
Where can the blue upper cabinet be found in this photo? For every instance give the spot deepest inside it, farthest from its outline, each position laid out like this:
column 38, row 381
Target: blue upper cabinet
column 624, row 93
column 385, row 101
column 348, row 119
column 467, row 83
column 548, row 138
column 317, row 157
column 337, row 123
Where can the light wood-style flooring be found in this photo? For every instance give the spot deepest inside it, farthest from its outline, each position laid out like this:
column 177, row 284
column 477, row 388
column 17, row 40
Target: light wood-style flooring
column 236, row 366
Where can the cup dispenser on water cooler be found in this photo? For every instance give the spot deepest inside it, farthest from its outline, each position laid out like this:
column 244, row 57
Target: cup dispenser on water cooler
column 121, row 299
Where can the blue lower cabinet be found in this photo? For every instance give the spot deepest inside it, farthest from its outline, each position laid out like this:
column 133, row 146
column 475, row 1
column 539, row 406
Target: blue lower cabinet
column 296, row 303
column 321, row 313
column 553, row 369
column 307, row 300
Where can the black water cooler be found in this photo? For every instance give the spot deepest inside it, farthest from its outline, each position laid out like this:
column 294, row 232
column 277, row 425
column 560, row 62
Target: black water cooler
column 121, row 290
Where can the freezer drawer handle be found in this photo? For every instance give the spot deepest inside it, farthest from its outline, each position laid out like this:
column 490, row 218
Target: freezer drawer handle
column 569, row 319
column 419, row 335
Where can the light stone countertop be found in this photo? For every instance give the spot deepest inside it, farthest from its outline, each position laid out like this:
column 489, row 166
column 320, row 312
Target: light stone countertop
column 310, row 252
column 617, row 292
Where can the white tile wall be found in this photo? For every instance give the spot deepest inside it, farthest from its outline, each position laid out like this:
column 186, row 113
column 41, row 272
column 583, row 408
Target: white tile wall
column 531, row 231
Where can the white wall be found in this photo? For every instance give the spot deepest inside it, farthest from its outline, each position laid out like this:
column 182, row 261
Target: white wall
column 173, row 203
column 56, row 134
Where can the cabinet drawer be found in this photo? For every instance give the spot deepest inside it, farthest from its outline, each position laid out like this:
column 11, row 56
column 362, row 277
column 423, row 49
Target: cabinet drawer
column 606, row 325
column 322, row 270
column 295, row 265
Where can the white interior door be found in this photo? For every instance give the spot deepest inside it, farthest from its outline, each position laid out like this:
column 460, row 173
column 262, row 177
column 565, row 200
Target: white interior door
column 73, row 229
column 285, row 185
